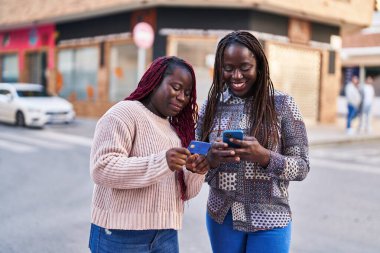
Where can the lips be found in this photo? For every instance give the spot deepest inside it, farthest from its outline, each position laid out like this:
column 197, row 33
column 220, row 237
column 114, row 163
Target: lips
column 238, row 86
column 176, row 107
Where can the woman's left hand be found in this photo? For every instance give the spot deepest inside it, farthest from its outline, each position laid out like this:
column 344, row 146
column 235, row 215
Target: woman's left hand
column 251, row 150
column 197, row 164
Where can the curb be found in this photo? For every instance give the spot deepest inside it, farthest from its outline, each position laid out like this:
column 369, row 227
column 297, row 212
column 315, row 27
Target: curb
column 353, row 139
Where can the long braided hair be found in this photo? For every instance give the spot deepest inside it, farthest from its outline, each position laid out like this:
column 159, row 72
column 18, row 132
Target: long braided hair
column 184, row 122
column 260, row 106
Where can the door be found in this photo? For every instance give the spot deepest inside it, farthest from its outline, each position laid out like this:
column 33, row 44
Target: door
column 6, row 108
column 36, row 68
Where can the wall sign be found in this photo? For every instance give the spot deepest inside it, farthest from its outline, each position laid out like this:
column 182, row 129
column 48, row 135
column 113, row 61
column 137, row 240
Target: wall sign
column 33, row 37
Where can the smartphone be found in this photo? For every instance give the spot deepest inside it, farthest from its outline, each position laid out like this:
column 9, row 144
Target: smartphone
column 236, row 134
column 199, row 147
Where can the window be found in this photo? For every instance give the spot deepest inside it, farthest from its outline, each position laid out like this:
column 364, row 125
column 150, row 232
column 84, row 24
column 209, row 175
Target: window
column 78, row 69
column 9, row 68
column 123, row 71
column 200, row 53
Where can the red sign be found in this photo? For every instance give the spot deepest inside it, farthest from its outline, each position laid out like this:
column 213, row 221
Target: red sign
column 143, row 35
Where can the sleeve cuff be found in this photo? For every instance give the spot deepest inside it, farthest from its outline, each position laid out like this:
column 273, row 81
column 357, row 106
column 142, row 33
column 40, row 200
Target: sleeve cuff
column 194, row 183
column 276, row 163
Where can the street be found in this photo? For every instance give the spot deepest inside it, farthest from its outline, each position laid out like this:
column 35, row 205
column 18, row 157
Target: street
column 46, row 190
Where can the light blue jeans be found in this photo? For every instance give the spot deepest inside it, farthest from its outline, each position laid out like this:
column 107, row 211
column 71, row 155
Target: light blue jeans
column 133, row 241
column 224, row 239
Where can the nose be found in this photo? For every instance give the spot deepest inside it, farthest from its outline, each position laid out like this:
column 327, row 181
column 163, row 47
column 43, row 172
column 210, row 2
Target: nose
column 181, row 96
column 237, row 74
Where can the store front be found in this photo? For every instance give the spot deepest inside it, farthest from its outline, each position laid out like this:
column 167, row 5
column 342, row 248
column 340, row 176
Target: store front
column 295, row 70
column 97, row 72
column 97, row 61
column 27, row 55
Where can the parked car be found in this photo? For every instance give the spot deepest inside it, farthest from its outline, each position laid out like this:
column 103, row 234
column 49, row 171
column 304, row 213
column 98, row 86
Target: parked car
column 25, row 104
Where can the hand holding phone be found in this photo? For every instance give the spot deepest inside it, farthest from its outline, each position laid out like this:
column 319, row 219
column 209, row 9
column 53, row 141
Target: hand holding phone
column 236, row 134
column 199, row 147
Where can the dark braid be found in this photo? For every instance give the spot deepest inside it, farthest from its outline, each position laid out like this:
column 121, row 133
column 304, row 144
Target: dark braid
column 260, row 106
column 184, row 122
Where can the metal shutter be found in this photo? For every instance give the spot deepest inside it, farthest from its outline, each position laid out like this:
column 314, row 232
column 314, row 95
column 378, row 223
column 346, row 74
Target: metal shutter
column 297, row 71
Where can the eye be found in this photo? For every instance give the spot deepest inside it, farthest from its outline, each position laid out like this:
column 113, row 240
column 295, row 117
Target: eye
column 228, row 68
column 176, row 87
column 246, row 67
column 188, row 93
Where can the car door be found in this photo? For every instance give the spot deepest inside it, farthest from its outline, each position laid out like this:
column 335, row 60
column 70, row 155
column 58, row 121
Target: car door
column 6, row 105
column 3, row 99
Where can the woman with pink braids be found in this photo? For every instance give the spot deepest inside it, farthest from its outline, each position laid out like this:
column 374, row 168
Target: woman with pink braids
column 137, row 163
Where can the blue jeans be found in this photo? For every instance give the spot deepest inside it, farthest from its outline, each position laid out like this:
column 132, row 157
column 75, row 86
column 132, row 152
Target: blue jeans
column 133, row 241
column 226, row 240
column 351, row 114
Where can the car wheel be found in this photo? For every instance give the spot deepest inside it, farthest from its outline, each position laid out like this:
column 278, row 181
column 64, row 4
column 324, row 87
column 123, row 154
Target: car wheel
column 20, row 119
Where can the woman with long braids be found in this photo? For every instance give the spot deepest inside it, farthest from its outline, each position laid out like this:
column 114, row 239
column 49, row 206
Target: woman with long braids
column 137, row 160
column 247, row 208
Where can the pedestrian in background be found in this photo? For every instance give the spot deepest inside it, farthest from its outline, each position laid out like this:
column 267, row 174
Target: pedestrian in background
column 354, row 100
column 368, row 95
column 137, row 160
column 248, row 208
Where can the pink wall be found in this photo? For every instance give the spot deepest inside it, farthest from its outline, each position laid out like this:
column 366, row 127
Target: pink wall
column 31, row 38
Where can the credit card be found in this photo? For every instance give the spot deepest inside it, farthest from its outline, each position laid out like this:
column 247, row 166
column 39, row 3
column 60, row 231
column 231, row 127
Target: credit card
column 199, row 147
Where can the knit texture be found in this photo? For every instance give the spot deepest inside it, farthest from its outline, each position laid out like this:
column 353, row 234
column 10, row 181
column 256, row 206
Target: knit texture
column 134, row 187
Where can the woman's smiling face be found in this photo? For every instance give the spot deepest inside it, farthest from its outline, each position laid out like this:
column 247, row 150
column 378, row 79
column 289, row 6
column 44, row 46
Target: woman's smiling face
column 239, row 69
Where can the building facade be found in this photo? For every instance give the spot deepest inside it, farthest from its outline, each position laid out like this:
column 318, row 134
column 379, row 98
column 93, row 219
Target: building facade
column 95, row 59
column 27, row 54
column 361, row 53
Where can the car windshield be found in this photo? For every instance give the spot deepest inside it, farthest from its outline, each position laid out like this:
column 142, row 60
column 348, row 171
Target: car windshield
column 32, row 93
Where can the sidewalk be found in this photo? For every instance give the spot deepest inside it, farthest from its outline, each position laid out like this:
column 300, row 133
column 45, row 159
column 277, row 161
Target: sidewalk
column 323, row 134
column 318, row 134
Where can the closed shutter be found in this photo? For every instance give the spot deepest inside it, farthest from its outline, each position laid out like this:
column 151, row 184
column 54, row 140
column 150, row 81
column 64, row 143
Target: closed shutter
column 297, row 71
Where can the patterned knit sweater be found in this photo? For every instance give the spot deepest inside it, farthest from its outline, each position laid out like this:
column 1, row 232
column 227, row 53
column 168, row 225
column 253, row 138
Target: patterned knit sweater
column 134, row 187
column 257, row 196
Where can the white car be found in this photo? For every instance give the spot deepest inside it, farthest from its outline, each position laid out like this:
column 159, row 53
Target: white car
column 29, row 105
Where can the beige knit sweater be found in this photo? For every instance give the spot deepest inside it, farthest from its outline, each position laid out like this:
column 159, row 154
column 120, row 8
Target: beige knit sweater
column 134, row 187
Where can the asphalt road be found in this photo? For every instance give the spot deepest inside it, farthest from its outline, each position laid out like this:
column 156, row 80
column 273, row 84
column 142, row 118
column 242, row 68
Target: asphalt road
column 45, row 196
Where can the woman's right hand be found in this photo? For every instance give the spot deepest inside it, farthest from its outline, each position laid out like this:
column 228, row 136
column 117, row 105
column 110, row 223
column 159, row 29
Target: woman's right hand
column 176, row 158
column 221, row 153
column 197, row 164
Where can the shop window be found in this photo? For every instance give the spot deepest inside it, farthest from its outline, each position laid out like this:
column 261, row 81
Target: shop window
column 200, row 53
column 78, row 73
column 123, row 71
column 9, row 68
